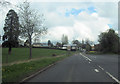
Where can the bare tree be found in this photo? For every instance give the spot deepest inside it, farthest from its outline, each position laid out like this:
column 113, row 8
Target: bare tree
column 31, row 23
column 4, row 4
column 88, row 44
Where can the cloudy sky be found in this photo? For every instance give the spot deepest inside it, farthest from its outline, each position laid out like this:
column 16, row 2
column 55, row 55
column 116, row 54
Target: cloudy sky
column 76, row 19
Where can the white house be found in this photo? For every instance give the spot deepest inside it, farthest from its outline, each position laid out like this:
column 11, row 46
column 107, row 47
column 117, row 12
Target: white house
column 69, row 47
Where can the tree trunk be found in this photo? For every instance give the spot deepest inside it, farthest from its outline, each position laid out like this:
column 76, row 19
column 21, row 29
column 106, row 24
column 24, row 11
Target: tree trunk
column 10, row 48
column 30, row 47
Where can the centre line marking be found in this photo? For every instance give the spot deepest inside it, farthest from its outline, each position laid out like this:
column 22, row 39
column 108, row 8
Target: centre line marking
column 113, row 77
column 100, row 67
column 103, row 70
column 110, row 75
column 96, row 70
column 86, row 57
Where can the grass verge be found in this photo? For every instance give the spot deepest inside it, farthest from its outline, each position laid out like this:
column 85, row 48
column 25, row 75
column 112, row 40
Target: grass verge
column 17, row 72
column 94, row 52
column 99, row 53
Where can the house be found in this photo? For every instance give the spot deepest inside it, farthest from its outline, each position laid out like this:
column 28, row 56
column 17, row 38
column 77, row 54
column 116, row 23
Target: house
column 92, row 47
column 45, row 45
column 97, row 47
column 72, row 47
column 37, row 44
column 64, row 47
column 40, row 45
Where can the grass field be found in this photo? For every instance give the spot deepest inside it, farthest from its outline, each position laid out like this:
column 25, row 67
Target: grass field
column 17, row 72
column 20, row 54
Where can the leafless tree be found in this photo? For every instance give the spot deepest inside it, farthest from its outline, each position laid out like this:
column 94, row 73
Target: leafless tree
column 4, row 4
column 31, row 23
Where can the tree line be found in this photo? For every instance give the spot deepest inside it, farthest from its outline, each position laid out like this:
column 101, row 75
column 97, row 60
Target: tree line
column 109, row 42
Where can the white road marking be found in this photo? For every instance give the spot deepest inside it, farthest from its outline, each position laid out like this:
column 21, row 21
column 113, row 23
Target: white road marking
column 110, row 75
column 86, row 57
column 113, row 77
column 101, row 67
column 89, row 62
column 103, row 70
column 96, row 70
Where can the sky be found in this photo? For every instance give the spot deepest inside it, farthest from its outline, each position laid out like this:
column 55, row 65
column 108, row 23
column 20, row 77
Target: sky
column 76, row 19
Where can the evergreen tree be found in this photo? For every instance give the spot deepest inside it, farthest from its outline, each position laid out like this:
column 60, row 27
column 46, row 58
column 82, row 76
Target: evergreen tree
column 49, row 43
column 11, row 29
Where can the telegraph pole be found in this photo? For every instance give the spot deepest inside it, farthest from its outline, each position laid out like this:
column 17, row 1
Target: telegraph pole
column 0, row 37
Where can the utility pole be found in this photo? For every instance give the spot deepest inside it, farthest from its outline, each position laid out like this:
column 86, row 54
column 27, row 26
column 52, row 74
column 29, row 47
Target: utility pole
column 0, row 37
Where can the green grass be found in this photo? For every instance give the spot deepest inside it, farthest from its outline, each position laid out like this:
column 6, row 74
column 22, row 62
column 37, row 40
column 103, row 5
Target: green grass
column 94, row 52
column 20, row 54
column 17, row 72
column 99, row 53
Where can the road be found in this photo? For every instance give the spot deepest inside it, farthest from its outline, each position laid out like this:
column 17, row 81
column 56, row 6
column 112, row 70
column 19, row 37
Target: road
column 107, row 62
column 81, row 68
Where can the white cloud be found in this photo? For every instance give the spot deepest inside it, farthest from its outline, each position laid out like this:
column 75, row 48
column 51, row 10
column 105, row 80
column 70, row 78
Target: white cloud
column 74, row 0
column 108, row 10
column 78, row 27
column 90, row 26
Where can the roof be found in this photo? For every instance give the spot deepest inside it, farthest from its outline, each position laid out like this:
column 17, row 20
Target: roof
column 70, row 45
column 37, row 44
column 42, row 44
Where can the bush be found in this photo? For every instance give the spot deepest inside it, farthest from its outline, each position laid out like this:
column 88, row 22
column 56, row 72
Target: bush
column 53, row 54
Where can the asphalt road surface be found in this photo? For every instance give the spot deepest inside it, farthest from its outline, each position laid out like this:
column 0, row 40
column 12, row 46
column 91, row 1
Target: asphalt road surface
column 82, row 68
column 107, row 62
